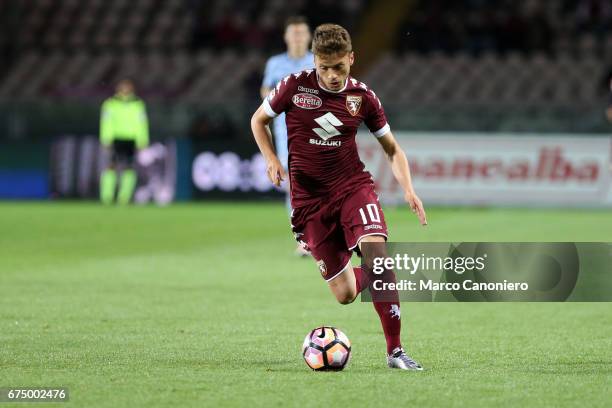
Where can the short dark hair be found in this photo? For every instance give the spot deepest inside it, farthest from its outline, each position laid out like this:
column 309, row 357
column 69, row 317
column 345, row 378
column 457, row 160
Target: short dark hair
column 330, row 39
column 295, row 20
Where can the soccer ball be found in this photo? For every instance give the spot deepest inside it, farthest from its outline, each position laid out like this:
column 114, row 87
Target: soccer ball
column 326, row 348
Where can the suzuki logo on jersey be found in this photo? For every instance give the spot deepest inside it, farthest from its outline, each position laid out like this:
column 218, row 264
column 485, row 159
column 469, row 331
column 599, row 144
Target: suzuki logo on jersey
column 327, row 130
column 353, row 104
column 307, row 101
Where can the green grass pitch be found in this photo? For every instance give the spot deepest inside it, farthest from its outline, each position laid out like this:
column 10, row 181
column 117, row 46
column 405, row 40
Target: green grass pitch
column 205, row 305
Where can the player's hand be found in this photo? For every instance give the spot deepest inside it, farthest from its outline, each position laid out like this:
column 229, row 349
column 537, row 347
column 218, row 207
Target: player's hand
column 276, row 172
column 416, row 206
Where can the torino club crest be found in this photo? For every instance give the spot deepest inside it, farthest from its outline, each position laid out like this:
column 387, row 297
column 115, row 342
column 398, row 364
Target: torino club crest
column 353, row 104
column 322, row 268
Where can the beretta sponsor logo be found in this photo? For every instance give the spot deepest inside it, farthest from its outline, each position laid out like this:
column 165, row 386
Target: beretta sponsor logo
column 307, row 101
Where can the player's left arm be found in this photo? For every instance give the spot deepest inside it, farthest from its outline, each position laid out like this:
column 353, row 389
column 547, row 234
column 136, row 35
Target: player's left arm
column 376, row 120
column 401, row 170
column 142, row 126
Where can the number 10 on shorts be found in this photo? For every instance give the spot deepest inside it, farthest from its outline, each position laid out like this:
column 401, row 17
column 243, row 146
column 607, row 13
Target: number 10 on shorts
column 373, row 214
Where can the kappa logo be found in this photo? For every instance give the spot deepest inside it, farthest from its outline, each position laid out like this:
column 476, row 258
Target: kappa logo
column 309, row 90
column 353, row 104
column 322, row 268
column 307, row 101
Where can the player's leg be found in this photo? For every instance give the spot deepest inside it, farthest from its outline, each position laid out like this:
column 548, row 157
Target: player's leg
column 325, row 241
column 344, row 286
column 128, row 175
column 363, row 222
column 347, row 284
column 128, row 183
column 334, row 262
column 385, row 303
column 108, row 183
column 108, row 179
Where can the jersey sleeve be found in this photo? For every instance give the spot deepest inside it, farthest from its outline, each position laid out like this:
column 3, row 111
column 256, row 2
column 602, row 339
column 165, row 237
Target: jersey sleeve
column 279, row 98
column 375, row 119
column 142, row 126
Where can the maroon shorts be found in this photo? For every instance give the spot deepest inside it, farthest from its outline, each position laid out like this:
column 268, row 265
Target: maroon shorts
column 332, row 229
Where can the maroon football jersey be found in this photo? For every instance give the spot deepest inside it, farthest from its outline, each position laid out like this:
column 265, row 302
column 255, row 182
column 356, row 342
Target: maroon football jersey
column 321, row 129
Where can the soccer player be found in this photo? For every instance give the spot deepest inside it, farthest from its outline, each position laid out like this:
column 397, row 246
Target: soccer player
column 124, row 127
column 335, row 207
column 609, row 109
column 296, row 59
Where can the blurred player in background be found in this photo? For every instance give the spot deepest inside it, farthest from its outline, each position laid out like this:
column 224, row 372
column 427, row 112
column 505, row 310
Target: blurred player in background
column 335, row 207
column 609, row 110
column 124, row 129
column 609, row 116
column 296, row 59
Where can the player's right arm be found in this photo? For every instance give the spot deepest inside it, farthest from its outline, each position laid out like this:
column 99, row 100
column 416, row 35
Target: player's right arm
column 261, row 132
column 277, row 101
column 106, row 124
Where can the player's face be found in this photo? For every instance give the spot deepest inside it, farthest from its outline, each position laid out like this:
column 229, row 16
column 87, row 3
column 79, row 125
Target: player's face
column 125, row 88
column 297, row 38
column 334, row 69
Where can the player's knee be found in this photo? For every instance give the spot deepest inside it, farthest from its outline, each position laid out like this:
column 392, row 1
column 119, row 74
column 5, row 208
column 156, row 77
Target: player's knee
column 346, row 297
column 372, row 252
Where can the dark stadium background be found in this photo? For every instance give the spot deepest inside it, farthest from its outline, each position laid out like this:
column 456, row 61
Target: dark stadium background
column 537, row 68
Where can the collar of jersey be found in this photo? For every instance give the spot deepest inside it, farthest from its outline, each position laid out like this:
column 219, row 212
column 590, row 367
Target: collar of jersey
column 129, row 98
column 329, row 90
